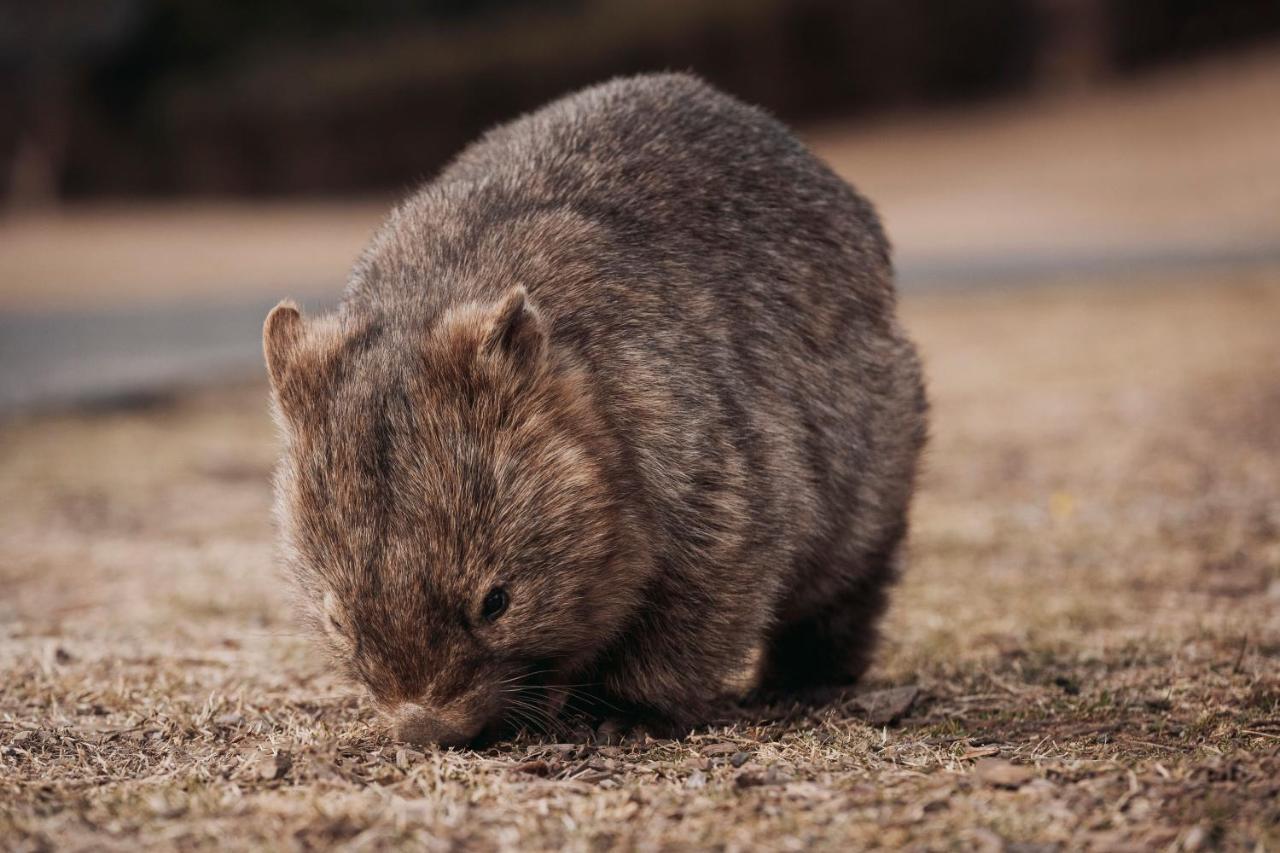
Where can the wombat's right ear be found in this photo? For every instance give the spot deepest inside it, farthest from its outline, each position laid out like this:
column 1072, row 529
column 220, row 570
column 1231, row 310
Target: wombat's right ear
column 281, row 337
column 516, row 329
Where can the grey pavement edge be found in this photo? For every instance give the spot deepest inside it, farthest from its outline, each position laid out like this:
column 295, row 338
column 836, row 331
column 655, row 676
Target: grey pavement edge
column 130, row 356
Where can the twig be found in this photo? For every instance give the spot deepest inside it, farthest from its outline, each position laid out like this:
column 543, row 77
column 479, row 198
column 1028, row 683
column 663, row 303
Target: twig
column 1244, row 645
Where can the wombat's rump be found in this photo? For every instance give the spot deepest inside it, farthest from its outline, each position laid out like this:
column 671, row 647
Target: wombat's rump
column 615, row 401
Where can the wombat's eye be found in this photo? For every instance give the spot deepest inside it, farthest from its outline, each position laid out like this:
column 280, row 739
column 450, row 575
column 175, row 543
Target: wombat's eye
column 333, row 616
column 494, row 604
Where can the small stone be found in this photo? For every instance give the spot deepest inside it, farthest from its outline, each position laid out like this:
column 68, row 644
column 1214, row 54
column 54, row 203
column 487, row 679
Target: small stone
column 1069, row 686
column 740, row 758
column 999, row 773
column 752, row 779
column 167, row 806
column 272, row 767
column 1195, row 838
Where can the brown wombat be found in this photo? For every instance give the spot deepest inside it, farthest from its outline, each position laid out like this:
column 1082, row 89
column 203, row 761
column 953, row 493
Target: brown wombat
column 616, row 402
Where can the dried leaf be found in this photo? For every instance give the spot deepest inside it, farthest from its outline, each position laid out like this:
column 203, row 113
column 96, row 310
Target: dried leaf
column 980, row 752
column 883, row 707
column 537, row 767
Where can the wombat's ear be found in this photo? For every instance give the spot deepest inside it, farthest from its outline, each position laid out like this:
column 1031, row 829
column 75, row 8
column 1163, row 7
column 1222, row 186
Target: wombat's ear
column 281, row 336
column 517, row 329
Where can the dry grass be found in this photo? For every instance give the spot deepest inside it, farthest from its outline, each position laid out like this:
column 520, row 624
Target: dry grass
column 1092, row 617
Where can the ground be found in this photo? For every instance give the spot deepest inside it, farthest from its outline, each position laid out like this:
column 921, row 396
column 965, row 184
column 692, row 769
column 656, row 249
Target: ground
column 1090, row 626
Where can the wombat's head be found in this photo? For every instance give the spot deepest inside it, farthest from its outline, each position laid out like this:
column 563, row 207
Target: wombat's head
column 450, row 505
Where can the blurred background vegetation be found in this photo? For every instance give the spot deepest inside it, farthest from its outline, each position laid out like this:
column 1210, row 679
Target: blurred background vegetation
column 159, row 98
column 169, row 169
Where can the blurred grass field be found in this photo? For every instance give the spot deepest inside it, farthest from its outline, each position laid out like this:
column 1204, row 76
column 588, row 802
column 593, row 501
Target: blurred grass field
column 1091, row 617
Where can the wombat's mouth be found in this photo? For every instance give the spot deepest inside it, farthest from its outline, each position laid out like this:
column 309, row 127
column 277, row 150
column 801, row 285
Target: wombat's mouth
column 502, row 729
column 523, row 716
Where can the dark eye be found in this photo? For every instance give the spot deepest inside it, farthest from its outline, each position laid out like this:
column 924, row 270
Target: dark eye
column 495, row 603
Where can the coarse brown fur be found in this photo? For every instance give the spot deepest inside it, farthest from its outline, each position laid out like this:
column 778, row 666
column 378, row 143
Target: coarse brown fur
column 615, row 401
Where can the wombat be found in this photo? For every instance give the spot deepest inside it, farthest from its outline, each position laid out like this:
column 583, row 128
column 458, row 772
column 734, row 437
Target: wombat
column 613, row 407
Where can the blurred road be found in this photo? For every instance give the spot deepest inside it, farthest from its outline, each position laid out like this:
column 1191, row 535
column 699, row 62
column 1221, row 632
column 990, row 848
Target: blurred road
column 1167, row 173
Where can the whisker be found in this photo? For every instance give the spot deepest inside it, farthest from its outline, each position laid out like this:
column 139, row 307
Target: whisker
column 591, row 698
column 537, row 714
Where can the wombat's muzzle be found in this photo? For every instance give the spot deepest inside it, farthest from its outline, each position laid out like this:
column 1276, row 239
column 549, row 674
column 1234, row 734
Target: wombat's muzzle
column 415, row 724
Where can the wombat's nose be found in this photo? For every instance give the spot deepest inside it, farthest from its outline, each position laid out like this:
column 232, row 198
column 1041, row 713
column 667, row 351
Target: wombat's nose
column 415, row 724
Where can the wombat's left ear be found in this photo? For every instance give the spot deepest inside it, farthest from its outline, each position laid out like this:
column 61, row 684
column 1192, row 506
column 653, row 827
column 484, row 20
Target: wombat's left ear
column 517, row 329
column 281, row 334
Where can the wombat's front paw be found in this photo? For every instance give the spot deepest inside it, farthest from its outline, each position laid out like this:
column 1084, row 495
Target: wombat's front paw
column 629, row 728
column 619, row 730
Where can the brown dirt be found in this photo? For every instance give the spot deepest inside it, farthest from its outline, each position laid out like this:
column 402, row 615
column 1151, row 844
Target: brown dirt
column 1090, row 617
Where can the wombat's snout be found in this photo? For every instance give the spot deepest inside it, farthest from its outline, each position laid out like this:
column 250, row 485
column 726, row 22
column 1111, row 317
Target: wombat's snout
column 415, row 724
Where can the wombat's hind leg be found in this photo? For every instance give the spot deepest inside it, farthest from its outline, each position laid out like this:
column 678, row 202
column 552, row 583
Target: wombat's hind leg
column 835, row 644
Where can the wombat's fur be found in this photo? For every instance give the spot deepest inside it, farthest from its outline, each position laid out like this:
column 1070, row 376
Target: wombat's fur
column 616, row 400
